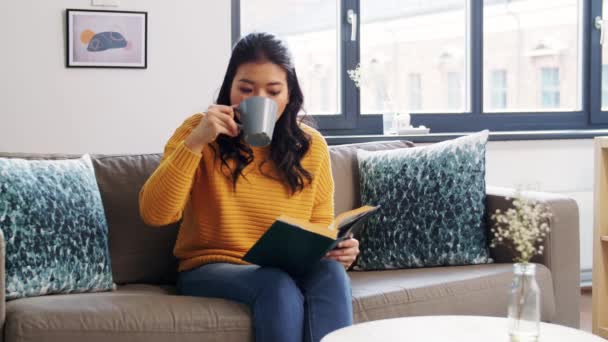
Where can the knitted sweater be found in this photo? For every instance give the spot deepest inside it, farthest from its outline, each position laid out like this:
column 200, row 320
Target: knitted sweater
column 220, row 224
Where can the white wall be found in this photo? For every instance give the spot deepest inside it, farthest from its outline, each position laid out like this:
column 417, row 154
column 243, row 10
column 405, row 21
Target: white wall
column 46, row 107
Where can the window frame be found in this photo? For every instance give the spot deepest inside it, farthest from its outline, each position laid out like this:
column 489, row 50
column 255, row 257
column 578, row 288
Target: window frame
column 597, row 116
column 352, row 122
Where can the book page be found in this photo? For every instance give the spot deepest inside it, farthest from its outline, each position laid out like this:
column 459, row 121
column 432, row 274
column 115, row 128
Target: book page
column 350, row 216
column 311, row 227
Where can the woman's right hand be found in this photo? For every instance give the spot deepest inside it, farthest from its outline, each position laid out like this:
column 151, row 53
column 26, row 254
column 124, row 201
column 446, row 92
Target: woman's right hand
column 219, row 119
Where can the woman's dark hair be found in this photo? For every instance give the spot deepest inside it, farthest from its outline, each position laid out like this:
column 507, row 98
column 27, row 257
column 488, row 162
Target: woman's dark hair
column 289, row 142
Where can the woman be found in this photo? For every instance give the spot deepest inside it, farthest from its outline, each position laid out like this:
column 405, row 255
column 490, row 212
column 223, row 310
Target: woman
column 229, row 193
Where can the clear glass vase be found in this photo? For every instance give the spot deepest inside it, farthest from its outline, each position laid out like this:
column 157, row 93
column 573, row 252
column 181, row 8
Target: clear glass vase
column 524, row 304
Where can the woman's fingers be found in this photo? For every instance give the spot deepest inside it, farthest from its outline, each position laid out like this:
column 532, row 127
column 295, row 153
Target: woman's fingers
column 350, row 242
column 346, row 253
column 346, row 247
column 222, row 127
column 345, row 260
column 222, row 117
column 228, row 110
column 352, row 251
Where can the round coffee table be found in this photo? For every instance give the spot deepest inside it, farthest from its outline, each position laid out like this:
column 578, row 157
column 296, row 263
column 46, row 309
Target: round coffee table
column 449, row 328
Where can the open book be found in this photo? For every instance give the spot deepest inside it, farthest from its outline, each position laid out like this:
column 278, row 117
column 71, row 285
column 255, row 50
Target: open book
column 295, row 245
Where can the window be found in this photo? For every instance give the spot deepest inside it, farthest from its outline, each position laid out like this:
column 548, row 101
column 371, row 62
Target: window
column 314, row 44
column 499, row 89
column 522, row 36
column 495, row 64
column 604, row 86
column 415, row 92
column 549, row 87
column 598, row 77
column 454, row 91
column 402, row 38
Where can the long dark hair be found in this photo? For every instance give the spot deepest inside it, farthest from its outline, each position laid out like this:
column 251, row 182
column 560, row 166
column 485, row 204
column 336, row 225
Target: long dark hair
column 289, row 142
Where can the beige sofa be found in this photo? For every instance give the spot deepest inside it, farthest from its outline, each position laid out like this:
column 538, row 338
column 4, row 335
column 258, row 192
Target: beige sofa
column 145, row 307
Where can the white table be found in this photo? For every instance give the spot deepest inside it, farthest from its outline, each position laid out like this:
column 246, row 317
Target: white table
column 449, row 329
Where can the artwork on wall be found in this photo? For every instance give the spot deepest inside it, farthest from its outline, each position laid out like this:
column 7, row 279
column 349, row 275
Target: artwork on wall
column 106, row 39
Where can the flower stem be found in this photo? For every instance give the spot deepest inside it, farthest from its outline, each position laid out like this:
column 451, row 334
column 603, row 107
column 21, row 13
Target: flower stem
column 522, row 298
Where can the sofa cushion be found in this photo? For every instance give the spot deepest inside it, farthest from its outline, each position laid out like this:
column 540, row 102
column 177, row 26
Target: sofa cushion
column 56, row 233
column 450, row 290
column 130, row 314
column 153, row 313
column 140, row 253
column 432, row 205
column 345, row 171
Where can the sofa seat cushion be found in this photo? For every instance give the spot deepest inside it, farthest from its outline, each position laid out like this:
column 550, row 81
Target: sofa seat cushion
column 154, row 313
column 452, row 290
column 132, row 313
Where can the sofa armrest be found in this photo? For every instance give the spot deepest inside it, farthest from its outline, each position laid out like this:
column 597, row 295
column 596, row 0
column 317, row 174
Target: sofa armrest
column 2, row 286
column 561, row 254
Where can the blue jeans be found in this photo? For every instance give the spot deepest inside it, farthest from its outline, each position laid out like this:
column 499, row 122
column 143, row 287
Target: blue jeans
column 284, row 308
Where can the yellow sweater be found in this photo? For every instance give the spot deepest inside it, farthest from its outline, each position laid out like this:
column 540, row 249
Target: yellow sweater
column 219, row 224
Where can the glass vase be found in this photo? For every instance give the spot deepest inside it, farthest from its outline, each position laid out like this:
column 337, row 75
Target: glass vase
column 524, row 304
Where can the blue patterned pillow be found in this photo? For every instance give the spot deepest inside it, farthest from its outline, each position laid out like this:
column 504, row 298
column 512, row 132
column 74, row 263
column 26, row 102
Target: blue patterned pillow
column 432, row 202
column 55, row 229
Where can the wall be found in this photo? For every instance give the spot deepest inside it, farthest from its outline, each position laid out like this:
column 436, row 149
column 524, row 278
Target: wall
column 46, row 107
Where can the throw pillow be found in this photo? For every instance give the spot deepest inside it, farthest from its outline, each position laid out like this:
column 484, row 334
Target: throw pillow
column 54, row 226
column 432, row 202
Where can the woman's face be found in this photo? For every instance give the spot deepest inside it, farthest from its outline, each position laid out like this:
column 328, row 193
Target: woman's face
column 260, row 79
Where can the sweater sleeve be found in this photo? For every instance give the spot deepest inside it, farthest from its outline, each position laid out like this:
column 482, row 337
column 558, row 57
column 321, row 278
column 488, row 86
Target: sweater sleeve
column 164, row 195
column 323, row 208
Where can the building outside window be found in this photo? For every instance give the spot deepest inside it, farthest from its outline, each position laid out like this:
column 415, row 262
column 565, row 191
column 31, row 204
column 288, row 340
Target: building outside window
column 498, row 91
column 415, row 91
column 454, row 84
column 549, row 87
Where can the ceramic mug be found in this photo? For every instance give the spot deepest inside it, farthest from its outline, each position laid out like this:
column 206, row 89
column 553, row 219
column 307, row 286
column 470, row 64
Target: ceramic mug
column 257, row 118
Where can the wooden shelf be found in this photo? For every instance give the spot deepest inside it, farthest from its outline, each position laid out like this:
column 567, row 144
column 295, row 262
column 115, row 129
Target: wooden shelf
column 603, row 332
column 600, row 239
column 601, row 142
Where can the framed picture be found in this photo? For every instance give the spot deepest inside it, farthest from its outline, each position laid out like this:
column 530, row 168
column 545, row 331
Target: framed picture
column 106, row 39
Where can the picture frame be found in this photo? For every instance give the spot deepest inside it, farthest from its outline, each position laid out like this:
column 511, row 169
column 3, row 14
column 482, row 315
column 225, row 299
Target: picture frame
column 106, row 39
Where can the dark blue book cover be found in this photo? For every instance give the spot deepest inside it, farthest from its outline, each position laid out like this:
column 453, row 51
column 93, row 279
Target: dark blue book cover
column 295, row 246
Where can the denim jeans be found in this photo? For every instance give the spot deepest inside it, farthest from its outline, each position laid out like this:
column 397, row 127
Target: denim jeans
column 284, row 308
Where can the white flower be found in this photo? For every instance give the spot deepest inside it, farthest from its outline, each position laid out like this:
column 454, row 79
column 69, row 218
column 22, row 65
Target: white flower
column 525, row 226
column 355, row 75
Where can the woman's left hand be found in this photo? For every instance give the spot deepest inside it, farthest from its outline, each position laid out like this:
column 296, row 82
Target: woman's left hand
column 345, row 253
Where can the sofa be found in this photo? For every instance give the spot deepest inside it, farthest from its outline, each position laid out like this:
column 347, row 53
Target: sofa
column 144, row 307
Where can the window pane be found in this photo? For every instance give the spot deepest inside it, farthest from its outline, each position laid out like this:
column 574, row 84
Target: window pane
column 454, row 90
column 415, row 94
column 403, row 38
column 604, row 86
column 499, row 89
column 549, row 87
column 314, row 44
column 536, row 43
